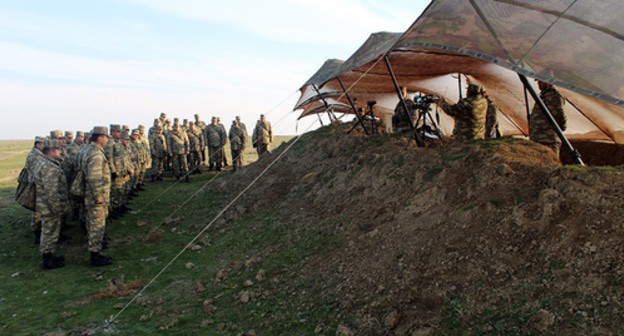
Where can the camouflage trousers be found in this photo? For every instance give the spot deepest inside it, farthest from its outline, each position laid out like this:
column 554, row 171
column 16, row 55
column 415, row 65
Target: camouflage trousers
column 36, row 221
column 96, row 224
column 194, row 161
column 50, row 230
column 157, row 166
column 237, row 158
column 215, row 158
column 180, row 167
column 141, row 173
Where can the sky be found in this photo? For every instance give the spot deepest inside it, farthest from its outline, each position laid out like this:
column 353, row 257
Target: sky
column 72, row 65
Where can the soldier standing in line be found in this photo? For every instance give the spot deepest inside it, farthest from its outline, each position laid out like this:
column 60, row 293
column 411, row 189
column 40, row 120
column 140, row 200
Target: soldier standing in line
column 167, row 128
column 78, row 161
column 158, row 148
column 238, row 139
column 146, row 157
column 70, row 168
column 52, row 202
column 469, row 114
column 115, row 156
column 178, row 150
column 200, row 127
column 215, row 137
column 133, row 161
column 97, row 193
column 32, row 160
column 540, row 129
column 243, row 127
column 223, row 156
column 262, row 136
column 194, row 149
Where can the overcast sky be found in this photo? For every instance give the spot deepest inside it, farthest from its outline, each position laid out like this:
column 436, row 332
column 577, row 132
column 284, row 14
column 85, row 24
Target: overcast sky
column 71, row 65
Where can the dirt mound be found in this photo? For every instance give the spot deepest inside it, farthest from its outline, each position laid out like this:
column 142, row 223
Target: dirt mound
column 491, row 237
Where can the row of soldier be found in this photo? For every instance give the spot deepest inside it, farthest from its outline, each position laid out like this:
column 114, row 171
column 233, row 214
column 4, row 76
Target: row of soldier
column 92, row 176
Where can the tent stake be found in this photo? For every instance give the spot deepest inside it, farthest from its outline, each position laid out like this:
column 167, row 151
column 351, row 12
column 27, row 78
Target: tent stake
column 359, row 118
column 575, row 154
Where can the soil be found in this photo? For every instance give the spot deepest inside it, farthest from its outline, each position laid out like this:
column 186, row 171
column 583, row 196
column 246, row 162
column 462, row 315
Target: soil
column 489, row 237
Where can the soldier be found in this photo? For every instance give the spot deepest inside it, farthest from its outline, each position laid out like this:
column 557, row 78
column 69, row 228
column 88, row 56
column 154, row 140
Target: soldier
column 195, row 139
column 116, row 158
column 402, row 119
column 178, row 147
column 540, row 129
column 225, row 163
column 52, row 201
column 32, row 160
column 215, row 138
column 152, row 130
column 262, row 136
column 491, row 120
column 469, row 114
column 158, row 148
column 237, row 144
column 70, row 170
column 201, row 127
column 146, row 158
column 133, row 161
column 167, row 128
column 162, row 118
column 97, row 193
column 243, row 127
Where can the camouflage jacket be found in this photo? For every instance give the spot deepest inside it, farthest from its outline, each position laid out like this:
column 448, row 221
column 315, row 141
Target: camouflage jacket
column 491, row 120
column 97, row 176
column 177, row 143
column 116, row 157
column 51, row 187
column 215, row 135
column 145, row 149
column 540, row 129
column 133, row 155
column 469, row 114
column 194, row 142
column 158, row 145
column 263, row 133
column 139, row 150
column 32, row 159
column 237, row 138
column 401, row 117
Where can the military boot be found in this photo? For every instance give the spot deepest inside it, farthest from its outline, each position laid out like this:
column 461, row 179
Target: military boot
column 50, row 261
column 186, row 179
column 98, row 259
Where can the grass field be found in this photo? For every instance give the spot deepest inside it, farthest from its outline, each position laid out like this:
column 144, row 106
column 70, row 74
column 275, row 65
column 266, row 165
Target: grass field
column 230, row 281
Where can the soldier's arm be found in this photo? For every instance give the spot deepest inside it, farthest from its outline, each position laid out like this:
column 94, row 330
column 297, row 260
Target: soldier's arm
column 270, row 133
column 94, row 178
column 559, row 113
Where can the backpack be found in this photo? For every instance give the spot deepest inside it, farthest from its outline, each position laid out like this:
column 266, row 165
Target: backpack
column 26, row 193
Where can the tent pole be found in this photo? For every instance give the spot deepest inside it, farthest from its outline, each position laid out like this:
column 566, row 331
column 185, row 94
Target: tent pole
column 399, row 93
column 329, row 112
column 528, row 110
column 320, row 120
column 359, row 118
column 459, row 84
column 575, row 154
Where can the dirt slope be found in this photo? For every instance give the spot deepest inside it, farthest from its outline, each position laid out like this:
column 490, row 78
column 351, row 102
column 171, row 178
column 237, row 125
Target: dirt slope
column 480, row 238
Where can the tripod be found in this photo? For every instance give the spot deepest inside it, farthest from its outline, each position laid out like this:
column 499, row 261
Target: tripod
column 426, row 135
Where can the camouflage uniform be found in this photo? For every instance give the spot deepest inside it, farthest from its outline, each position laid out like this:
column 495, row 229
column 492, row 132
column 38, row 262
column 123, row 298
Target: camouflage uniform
column 116, row 157
column 237, row 145
column 158, row 148
column 401, row 119
column 540, row 129
column 52, row 201
column 32, row 160
column 469, row 114
column 262, row 137
column 223, row 155
column 216, row 138
column 201, row 127
column 97, row 194
column 195, row 139
column 491, row 121
column 178, row 148
column 144, row 151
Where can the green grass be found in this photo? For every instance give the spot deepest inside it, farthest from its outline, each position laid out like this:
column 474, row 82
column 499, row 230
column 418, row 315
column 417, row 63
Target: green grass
column 34, row 301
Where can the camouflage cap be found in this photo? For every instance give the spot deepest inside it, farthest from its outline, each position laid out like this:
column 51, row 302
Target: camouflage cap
column 125, row 127
column 115, row 127
column 39, row 139
column 87, row 135
column 80, row 134
column 136, row 131
column 100, row 130
column 56, row 134
column 51, row 144
column 69, row 134
column 125, row 135
column 141, row 127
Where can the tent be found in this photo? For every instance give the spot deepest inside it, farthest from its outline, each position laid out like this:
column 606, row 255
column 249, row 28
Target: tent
column 491, row 41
